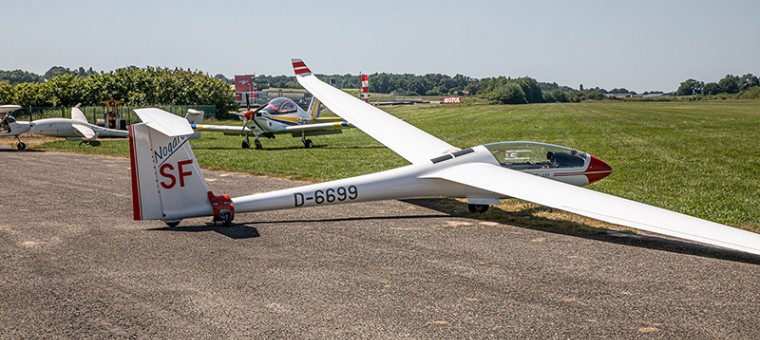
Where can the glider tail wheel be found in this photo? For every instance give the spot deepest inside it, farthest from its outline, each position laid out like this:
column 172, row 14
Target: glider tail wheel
column 224, row 210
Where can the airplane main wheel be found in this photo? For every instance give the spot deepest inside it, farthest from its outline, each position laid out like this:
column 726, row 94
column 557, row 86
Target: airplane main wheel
column 258, row 145
column 225, row 217
column 21, row 146
column 308, row 144
column 246, row 144
column 477, row 208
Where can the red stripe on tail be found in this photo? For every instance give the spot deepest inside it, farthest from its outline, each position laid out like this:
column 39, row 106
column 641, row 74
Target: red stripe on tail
column 136, row 206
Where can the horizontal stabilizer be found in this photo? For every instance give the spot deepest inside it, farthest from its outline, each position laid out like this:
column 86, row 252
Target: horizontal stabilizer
column 84, row 130
column 164, row 122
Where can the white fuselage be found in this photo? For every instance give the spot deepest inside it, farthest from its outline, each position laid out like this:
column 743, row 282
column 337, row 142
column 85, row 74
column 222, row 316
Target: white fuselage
column 412, row 181
column 63, row 127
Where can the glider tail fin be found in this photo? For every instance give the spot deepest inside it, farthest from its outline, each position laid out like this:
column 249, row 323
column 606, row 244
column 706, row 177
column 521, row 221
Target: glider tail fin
column 167, row 183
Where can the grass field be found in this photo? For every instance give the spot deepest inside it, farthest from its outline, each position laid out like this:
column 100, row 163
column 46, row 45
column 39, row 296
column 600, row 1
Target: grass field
column 699, row 158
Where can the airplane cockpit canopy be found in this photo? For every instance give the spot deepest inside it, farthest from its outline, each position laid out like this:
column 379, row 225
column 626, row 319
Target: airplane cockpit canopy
column 281, row 105
column 535, row 155
column 9, row 119
column 5, row 123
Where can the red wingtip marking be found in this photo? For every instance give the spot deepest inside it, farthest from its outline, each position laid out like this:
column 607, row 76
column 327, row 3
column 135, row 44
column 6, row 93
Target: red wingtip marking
column 299, row 67
column 136, row 206
column 301, row 71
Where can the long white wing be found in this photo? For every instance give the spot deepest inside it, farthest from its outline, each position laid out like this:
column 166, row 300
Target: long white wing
column 317, row 126
column 599, row 206
column 220, row 128
column 404, row 139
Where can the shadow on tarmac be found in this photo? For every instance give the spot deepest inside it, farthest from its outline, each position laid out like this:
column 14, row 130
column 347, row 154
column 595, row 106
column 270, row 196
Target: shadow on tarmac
column 235, row 231
column 528, row 220
column 523, row 219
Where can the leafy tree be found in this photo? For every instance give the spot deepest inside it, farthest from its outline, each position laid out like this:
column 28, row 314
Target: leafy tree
column 224, row 79
column 748, row 81
column 690, row 87
column 509, row 93
column 711, row 88
column 729, row 84
column 556, row 96
column 55, row 71
column 7, row 93
column 19, row 76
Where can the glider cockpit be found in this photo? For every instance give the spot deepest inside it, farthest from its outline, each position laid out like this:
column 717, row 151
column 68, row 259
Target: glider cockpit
column 535, row 155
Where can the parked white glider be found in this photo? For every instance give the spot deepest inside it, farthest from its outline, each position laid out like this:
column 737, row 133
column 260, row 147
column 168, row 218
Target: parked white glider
column 167, row 183
column 280, row 115
column 76, row 127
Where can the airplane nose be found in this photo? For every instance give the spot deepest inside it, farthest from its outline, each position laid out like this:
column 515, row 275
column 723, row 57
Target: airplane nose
column 597, row 170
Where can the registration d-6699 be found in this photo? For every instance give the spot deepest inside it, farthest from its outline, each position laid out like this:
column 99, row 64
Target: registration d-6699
column 329, row 195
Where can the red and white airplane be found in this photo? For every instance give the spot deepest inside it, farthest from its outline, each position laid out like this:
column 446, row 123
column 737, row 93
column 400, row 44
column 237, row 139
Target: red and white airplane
column 167, row 183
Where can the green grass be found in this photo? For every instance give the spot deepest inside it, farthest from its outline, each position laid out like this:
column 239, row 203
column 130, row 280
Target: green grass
column 699, row 158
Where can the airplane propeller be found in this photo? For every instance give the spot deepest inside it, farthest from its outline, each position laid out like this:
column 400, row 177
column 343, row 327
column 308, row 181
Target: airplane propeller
column 247, row 116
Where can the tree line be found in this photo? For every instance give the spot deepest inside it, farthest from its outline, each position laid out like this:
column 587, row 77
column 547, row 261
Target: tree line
column 132, row 85
column 163, row 86
column 730, row 84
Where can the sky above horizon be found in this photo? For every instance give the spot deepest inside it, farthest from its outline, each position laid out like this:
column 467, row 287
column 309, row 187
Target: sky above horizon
column 641, row 46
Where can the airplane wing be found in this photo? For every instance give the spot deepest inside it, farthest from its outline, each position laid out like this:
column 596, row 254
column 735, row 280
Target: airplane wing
column 408, row 141
column 8, row 108
column 318, row 126
column 599, row 206
column 78, row 115
column 84, row 130
column 220, row 128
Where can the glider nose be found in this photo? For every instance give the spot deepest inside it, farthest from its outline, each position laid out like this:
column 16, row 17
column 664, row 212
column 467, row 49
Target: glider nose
column 597, row 170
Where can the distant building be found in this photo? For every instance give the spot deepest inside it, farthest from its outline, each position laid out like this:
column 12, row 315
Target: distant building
column 246, row 93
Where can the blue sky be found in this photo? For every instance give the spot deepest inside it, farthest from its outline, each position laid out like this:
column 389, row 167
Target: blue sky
column 639, row 45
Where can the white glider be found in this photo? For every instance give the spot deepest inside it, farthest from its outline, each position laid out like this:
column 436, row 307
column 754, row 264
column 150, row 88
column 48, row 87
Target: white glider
column 167, row 183
column 75, row 127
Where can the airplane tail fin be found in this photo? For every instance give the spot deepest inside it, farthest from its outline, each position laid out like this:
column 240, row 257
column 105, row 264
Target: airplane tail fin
column 194, row 117
column 167, row 183
column 315, row 108
column 78, row 115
